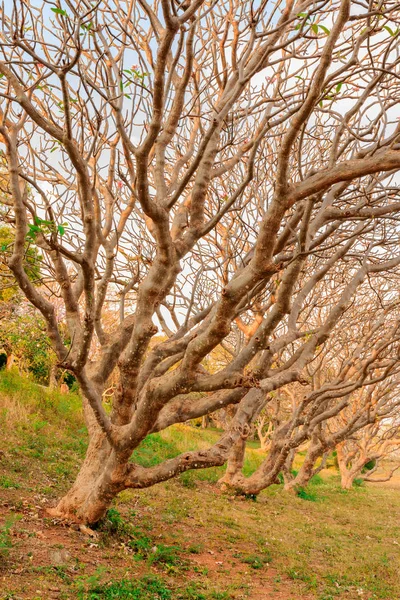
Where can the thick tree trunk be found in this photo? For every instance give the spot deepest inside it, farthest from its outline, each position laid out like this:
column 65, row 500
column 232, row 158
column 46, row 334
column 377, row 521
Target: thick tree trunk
column 348, row 470
column 306, row 470
column 85, row 502
column 235, row 463
column 288, row 467
column 347, row 480
column 100, row 478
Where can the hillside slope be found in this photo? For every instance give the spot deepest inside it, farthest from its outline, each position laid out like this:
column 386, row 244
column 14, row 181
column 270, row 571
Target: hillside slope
column 183, row 539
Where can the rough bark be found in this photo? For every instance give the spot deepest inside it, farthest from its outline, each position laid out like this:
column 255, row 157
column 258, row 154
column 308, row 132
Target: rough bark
column 234, row 464
column 306, row 471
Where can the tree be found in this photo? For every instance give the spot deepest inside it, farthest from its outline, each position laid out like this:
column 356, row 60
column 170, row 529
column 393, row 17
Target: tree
column 181, row 161
column 21, row 331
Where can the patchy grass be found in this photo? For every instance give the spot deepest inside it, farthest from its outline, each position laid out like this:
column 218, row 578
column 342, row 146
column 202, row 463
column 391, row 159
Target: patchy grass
column 183, row 539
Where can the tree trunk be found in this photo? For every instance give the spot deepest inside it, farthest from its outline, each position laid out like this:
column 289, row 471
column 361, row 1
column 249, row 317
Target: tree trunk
column 288, row 467
column 307, row 468
column 205, row 421
column 100, row 478
column 348, row 471
column 10, row 361
column 347, row 479
column 83, row 501
column 53, row 377
column 235, row 463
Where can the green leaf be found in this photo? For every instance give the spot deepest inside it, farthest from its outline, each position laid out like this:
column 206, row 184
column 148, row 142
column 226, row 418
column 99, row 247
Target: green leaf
column 302, row 15
column 298, row 26
column 299, row 77
column 59, row 11
column 339, row 87
column 392, row 33
column 61, row 229
column 87, row 27
column 324, row 29
column 127, row 96
column 314, row 28
column 4, row 247
column 321, row 104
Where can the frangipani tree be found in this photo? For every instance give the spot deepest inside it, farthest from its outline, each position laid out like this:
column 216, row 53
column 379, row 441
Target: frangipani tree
column 194, row 163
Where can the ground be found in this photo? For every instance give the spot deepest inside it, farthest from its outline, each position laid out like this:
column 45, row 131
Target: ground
column 180, row 540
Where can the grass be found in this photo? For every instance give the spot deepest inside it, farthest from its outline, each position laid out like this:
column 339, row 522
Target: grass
column 181, row 539
column 148, row 588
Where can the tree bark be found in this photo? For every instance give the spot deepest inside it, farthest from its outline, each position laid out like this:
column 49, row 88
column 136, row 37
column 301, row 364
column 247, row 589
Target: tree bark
column 53, row 377
column 86, row 501
column 348, row 471
column 10, row 361
column 307, row 468
column 100, row 478
column 235, row 463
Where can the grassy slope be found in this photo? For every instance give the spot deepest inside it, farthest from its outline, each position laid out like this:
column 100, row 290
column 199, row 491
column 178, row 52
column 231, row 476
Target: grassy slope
column 181, row 539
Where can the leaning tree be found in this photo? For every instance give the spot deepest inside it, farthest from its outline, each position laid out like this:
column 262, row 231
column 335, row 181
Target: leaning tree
column 199, row 168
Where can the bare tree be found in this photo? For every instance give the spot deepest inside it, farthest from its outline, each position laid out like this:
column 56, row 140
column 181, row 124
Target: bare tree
column 342, row 395
column 204, row 165
column 369, row 447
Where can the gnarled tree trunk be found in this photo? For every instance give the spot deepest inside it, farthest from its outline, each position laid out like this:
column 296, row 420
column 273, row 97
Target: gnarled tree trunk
column 306, row 471
column 100, row 478
column 235, row 463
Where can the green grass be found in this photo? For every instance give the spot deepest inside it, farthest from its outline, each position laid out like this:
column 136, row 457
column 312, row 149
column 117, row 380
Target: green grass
column 148, row 588
column 181, row 539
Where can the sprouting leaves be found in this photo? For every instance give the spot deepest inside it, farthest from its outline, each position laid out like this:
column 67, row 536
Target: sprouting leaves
column 315, row 27
column 136, row 74
column 87, row 27
column 44, row 227
column 33, row 231
column 57, row 145
column 324, row 29
column 330, row 94
column 59, row 11
column 390, row 30
column 61, row 228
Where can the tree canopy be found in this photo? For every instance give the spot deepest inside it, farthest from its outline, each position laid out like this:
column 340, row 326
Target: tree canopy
column 225, row 173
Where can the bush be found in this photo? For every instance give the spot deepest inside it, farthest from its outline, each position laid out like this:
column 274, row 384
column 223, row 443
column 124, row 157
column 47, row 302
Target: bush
column 371, row 464
column 306, row 495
